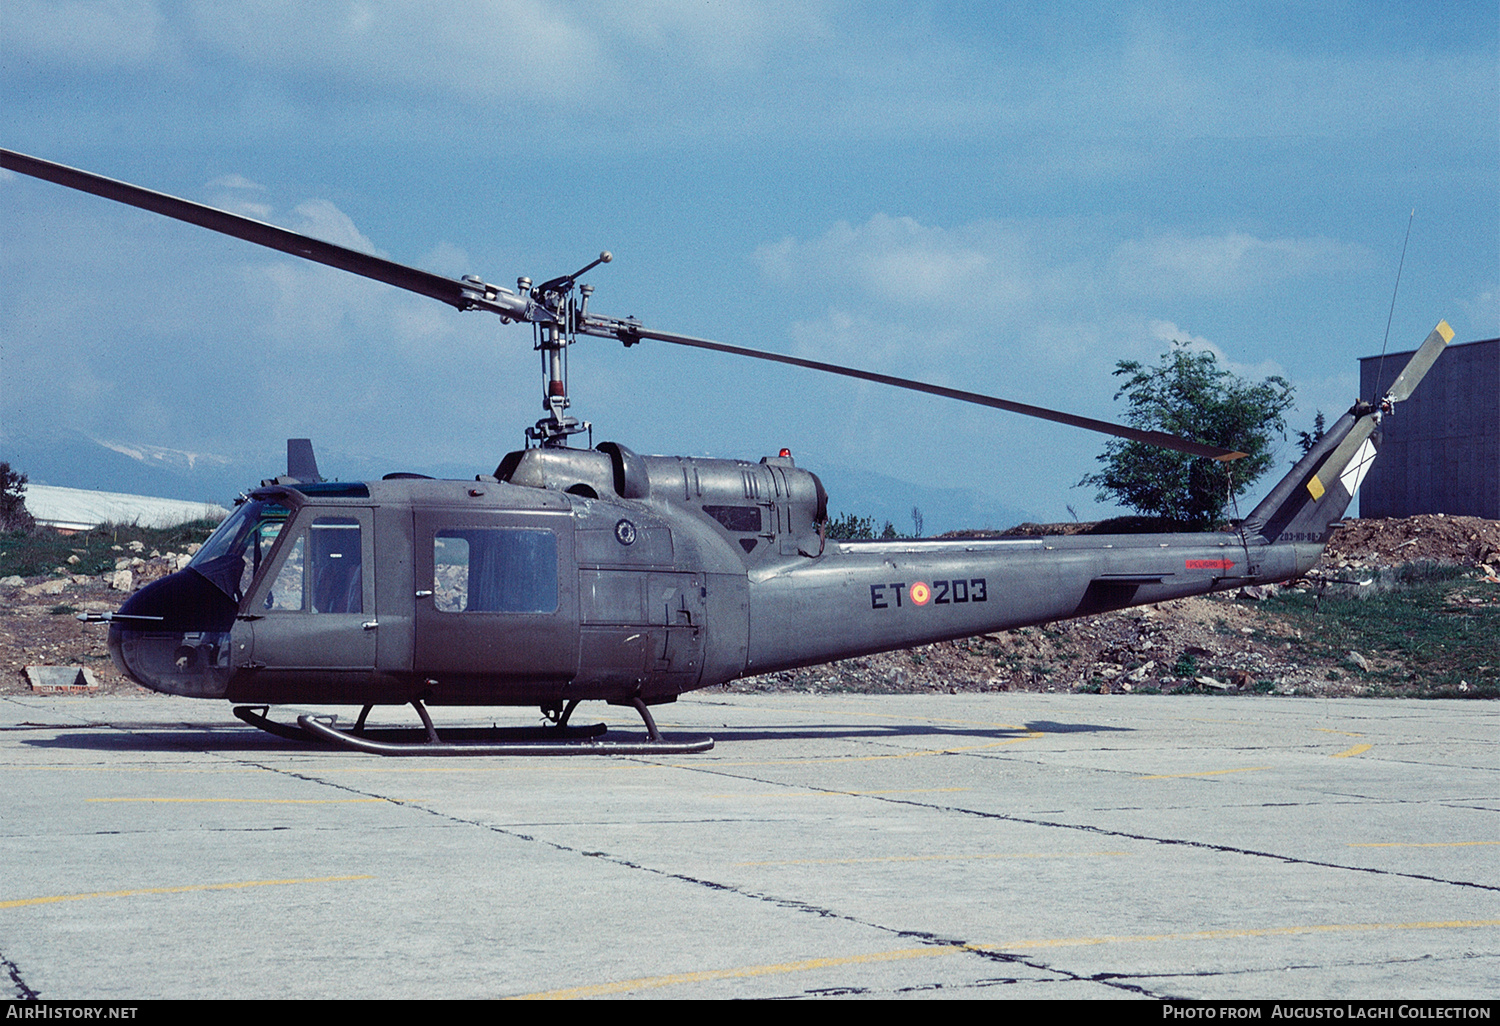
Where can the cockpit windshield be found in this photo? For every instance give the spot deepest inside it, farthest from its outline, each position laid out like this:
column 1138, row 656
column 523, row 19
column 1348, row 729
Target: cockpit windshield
column 233, row 554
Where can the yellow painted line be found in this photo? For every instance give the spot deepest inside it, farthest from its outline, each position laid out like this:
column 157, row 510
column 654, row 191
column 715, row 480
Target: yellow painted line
column 1423, row 844
column 1356, row 750
column 100, row 768
column 703, row 976
column 841, row 794
column 934, row 858
column 1275, row 931
column 1205, row 773
column 1346, row 733
column 18, row 903
column 902, row 954
column 872, row 758
column 247, row 801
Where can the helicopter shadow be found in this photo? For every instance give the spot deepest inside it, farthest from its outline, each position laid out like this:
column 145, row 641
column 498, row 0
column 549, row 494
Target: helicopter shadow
column 185, row 739
column 930, row 732
column 1049, row 727
column 230, row 739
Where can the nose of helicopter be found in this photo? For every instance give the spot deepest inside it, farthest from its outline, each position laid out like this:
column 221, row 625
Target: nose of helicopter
column 173, row 636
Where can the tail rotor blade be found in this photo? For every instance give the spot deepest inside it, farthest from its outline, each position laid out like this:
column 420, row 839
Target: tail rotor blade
column 1421, row 362
column 1406, row 382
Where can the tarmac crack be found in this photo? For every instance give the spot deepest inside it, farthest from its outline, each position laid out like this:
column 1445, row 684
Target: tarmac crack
column 789, row 904
column 1117, row 981
column 1228, row 849
column 1106, row 832
column 21, row 991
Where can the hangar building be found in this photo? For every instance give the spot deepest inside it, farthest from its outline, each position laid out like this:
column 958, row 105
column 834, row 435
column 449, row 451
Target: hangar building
column 1441, row 449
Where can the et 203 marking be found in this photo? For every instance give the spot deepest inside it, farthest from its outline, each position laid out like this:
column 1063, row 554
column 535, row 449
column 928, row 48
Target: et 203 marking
column 938, row 593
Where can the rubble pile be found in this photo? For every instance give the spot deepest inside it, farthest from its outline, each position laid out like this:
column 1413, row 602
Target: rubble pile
column 39, row 625
column 1468, row 541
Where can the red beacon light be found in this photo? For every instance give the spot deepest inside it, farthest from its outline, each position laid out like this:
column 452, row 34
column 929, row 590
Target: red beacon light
column 785, row 452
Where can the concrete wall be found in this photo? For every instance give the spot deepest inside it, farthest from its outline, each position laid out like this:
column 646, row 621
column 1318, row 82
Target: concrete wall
column 1441, row 450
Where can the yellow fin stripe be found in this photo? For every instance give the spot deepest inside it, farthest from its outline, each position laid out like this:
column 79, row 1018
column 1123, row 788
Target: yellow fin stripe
column 1445, row 331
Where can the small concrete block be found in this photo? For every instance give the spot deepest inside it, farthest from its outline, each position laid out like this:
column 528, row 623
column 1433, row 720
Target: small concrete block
column 61, row 680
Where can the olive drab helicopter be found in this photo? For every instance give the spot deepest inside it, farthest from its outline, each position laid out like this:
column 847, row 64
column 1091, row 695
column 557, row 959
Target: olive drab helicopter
column 569, row 574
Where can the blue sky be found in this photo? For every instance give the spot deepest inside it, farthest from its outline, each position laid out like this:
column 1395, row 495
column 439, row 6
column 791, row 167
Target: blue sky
column 1008, row 198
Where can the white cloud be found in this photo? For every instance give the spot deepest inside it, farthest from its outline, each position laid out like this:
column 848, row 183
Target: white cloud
column 762, row 69
column 480, row 51
column 1483, row 311
column 1229, row 263
column 228, row 192
column 233, row 181
column 92, row 35
column 446, row 258
column 322, row 220
column 992, row 272
column 899, row 262
column 1165, row 333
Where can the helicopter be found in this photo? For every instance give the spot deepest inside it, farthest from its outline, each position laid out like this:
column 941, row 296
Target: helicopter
column 574, row 574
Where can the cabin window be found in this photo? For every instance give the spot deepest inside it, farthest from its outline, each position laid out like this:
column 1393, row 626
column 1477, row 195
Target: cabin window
column 286, row 591
column 323, row 570
column 744, row 519
column 494, row 570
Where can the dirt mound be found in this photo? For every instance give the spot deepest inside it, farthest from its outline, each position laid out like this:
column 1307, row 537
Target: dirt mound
column 1433, row 537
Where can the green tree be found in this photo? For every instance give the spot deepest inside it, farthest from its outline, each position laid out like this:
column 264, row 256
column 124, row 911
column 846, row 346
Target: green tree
column 13, row 513
column 847, row 526
column 1189, row 395
column 1308, row 439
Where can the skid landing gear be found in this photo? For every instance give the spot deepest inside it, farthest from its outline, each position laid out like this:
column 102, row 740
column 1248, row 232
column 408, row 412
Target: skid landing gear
column 559, row 739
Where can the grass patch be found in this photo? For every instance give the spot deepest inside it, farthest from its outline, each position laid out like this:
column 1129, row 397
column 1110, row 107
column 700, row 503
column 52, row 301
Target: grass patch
column 39, row 552
column 1438, row 625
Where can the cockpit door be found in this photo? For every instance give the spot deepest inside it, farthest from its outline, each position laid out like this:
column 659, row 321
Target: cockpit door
column 308, row 631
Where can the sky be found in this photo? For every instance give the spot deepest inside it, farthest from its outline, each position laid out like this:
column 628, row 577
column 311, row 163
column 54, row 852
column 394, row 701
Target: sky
column 1009, row 198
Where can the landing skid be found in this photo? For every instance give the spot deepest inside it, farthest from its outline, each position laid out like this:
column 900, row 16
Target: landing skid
column 554, row 740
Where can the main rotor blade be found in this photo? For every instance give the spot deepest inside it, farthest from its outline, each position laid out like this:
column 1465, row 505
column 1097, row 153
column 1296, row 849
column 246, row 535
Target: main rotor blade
column 461, row 294
column 614, row 329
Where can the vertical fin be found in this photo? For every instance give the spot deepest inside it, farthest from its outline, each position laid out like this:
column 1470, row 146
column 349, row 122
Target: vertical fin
column 1304, row 505
column 300, row 461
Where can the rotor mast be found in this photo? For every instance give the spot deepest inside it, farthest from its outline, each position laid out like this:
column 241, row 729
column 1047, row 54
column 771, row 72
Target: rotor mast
column 553, row 337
